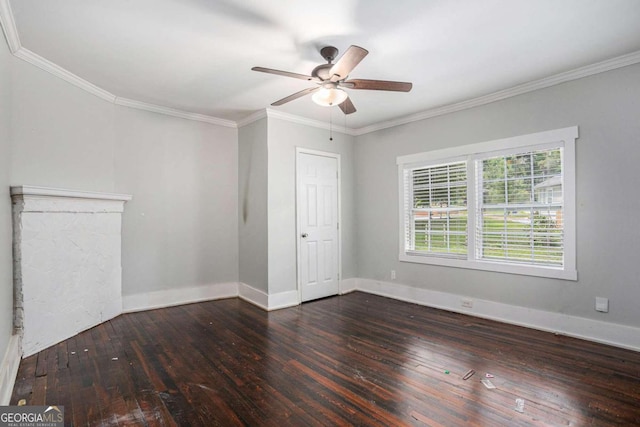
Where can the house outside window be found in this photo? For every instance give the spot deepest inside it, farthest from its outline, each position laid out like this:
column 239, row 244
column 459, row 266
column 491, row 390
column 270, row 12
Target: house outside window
column 505, row 205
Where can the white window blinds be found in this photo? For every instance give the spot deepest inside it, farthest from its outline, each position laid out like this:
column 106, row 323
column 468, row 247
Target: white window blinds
column 436, row 220
column 520, row 207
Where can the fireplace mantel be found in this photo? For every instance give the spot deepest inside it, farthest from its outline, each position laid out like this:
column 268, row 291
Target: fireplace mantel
column 67, row 262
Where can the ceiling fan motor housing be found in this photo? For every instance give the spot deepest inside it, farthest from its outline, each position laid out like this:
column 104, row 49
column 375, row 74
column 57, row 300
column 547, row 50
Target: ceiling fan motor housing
column 329, row 53
column 322, row 71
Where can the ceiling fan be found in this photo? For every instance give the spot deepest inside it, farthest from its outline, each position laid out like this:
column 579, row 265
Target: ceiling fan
column 331, row 78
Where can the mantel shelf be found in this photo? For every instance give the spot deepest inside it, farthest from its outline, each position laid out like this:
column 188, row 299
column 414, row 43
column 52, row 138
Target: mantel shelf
column 28, row 190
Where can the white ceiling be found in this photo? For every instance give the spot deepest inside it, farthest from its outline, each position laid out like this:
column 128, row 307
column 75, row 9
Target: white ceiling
column 196, row 55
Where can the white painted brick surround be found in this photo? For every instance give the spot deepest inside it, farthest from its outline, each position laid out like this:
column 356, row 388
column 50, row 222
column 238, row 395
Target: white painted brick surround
column 67, row 262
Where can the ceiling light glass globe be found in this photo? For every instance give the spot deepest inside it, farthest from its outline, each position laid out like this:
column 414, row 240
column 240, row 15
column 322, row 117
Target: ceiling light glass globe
column 328, row 97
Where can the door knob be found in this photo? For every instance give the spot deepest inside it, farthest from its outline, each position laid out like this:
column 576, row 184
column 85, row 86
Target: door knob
column 305, row 235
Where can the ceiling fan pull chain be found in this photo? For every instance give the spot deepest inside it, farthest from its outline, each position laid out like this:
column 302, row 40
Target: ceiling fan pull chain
column 331, row 124
column 345, row 121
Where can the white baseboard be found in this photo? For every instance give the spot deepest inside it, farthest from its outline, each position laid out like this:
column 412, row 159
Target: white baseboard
column 579, row 327
column 265, row 301
column 348, row 285
column 284, row 300
column 253, row 296
column 178, row 296
column 9, row 369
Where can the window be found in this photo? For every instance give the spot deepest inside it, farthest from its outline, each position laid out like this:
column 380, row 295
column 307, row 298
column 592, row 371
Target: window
column 506, row 205
column 438, row 213
column 514, row 223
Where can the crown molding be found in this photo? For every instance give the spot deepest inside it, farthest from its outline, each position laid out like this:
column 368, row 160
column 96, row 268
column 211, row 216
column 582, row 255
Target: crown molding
column 254, row 117
column 308, row 122
column 567, row 76
column 9, row 26
column 56, row 70
column 13, row 41
column 271, row 113
column 132, row 103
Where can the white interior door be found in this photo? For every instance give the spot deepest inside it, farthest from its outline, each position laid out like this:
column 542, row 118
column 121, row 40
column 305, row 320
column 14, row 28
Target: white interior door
column 317, row 190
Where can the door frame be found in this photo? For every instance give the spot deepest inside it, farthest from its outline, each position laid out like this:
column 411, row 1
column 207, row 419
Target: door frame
column 299, row 151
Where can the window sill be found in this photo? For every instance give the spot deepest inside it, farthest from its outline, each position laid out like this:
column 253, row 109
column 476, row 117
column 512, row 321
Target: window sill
column 524, row 270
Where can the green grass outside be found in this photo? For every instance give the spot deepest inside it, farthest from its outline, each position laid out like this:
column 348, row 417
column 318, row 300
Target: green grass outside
column 547, row 245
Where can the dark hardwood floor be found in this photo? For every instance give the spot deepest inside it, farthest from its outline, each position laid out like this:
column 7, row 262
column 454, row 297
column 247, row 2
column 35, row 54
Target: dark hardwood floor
column 357, row 359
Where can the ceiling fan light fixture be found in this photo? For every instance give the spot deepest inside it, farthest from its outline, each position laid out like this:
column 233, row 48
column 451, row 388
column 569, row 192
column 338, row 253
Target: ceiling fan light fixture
column 332, row 77
column 329, row 97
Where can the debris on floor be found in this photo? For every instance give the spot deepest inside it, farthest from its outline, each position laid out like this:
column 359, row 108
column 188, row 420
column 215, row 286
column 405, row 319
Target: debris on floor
column 22, row 402
column 469, row 374
column 418, row 416
column 488, row 384
column 446, row 372
column 114, row 358
column 488, row 375
column 519, row 405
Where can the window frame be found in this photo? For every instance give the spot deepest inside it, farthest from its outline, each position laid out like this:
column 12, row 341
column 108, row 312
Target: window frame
column 565, row 138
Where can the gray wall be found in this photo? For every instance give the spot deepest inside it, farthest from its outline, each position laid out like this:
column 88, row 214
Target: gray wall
column 180, row 229
column 606, row 108
column 284, row 137
column 62, row 136
column 6, row 260
column 252, row 199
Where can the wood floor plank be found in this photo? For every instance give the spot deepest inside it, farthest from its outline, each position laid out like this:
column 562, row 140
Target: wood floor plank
column 357, row 359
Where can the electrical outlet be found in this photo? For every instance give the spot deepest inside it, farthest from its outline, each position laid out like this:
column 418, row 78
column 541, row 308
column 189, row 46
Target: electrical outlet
column 602, row 304
column 467, row 303
column 393, row 275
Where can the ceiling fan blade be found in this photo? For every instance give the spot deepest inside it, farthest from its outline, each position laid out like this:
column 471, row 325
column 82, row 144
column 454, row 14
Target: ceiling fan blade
column 286, row 74
column 347, row 62
column 296, row 95
column 377, row 85
column 347, row 106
